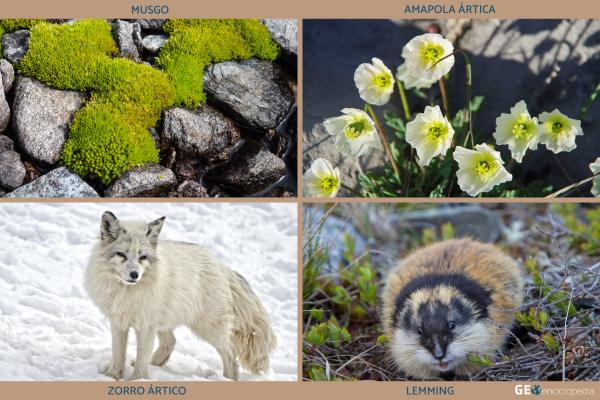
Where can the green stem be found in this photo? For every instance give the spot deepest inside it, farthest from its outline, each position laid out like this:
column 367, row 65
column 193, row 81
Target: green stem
column 444, row 97
column 351, row 190
column 404, row 99
column 384, row 140
column 589, row 102
column 571, row 187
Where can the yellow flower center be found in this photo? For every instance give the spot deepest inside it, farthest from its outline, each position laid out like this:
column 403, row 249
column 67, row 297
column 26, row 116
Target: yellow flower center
column 431, row 53
column 356, row 129
column 558, row 126
column 523, row 127
column 486, row 167
column 437, row 131
column 328, row 184
column 382, row 81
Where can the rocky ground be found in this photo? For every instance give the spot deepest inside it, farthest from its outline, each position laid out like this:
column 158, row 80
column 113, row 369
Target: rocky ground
column 548, row 63
column 241, row 143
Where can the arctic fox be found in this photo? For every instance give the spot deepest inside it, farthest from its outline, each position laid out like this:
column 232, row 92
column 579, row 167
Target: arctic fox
column 153, row 286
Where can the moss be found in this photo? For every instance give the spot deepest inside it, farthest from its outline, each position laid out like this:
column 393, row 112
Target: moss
column 66, row 56
column 194, row 44
column 10, row 25
column 110, row 134
column 103, row 144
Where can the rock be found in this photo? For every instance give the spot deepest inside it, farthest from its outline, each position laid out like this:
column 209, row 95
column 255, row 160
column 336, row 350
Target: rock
column 320, row 144
column 136, row 35
column 122, row 32
column 151, row 24
column 153, row 43
column 252, row 169
column 284, row 33
column 32, row 172
column 4, row 112
column 8, row 74
column 201, row 133
column 190, row 189
column 145, row 181
column 256, row 92
column 6, row 143
column 41, row 118
column 186, row 170
column 12, row 170
column 15, row 45
column 487, row 229
column 59, row 182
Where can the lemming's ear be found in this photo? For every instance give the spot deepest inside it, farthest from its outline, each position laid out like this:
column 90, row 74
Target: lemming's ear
column 109, row 227
column 154, row 228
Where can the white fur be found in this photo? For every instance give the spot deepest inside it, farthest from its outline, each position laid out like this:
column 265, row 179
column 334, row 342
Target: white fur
column 180, row 284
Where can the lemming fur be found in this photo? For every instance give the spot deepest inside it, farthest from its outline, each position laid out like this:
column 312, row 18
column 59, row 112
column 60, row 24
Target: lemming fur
column 446, row 301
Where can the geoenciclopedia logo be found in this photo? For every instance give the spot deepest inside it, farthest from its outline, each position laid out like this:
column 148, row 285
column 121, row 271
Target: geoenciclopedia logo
column 537, row 390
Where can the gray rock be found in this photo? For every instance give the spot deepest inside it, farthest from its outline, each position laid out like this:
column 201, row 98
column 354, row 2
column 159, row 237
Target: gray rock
column 6, row 143
column 59, row 182
column 12, row 170
column 487, row 229
column 136, row 35
column 4, row 112
column 284, row 32
column 153, row 43
column 151, row 24
column 190, row 189
column 202, row 133
column 256, row 92
column 252, row 170
column 122, row 32
column 15, row 45
column 42, row 116
column 320, row 144
column 145, row 181
column 8, row 74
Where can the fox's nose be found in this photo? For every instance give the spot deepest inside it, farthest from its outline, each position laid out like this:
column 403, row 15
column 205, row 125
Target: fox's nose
column 134, row 275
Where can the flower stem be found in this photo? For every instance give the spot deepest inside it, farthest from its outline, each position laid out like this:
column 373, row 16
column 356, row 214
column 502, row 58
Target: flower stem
column 404, row 99
column 444, row 97
column 384, row 140
column 571, row 187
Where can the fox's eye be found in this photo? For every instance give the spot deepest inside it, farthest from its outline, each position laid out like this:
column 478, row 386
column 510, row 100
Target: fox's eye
column 419, row 331
column 143, row 258
column 121, row 254
column 451, row 324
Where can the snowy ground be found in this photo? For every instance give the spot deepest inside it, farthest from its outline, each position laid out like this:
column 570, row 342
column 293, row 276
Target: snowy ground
column 51, row 330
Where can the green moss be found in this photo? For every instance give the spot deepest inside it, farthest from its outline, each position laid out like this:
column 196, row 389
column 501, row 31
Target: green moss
column 110, row 134
column 66, row 56
column 10, row 25
column 194, row 44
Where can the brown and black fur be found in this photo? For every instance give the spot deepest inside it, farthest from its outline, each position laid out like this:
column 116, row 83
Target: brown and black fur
column 446, row 301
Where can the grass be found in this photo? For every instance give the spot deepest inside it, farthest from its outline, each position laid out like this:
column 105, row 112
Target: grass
column 557, row 335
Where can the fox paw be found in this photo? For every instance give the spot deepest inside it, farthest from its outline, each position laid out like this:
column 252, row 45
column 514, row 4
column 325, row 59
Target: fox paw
column 114, row 371
column 139, row 374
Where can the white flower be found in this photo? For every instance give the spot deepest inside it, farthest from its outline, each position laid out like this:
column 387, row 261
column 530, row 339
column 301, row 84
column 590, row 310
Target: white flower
column 595, row 167
column 558, row 131
column 375, row 82
column 412, row 81
column 321, row 179
column 354, row 132
column 479, row 170
column 518, row 130
column 430, row 134
column 423, row 51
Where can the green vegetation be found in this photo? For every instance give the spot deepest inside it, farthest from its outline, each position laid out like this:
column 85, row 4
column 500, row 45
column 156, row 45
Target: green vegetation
column 585, row 228
column 193, row 44
column 10, row 25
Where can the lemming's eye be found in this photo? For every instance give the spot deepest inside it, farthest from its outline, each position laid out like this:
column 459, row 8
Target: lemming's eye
column 121, row 254
column 451, row 324
column 419, row 331
column 143, row 258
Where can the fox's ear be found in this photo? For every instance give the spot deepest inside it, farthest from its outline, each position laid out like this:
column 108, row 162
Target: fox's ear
column 109, row 226
column 154, row 228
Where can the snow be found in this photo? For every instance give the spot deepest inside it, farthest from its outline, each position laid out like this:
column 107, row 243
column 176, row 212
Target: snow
column 51, row 330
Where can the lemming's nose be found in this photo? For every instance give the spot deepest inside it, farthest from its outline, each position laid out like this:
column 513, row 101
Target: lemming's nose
column 134, row 275
column 439, row 352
